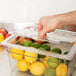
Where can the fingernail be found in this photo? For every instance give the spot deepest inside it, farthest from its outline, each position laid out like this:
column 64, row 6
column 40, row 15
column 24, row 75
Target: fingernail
column 45, row 36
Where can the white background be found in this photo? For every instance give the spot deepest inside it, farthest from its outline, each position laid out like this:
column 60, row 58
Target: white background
column 32, row 10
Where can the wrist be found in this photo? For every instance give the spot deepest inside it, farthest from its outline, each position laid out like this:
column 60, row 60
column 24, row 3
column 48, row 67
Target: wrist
column 68, row 19
column 61, row 20
column 64, row 19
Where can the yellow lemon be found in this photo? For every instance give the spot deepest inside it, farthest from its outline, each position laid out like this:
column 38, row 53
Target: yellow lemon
column 22, row 65
column 61, row 70
column 16, row 54
column 30, row 56
column 1, row 37
column 44, row 60
column 37, row 68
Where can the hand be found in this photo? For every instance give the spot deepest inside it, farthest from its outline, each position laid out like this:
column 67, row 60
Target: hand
column 48, row 24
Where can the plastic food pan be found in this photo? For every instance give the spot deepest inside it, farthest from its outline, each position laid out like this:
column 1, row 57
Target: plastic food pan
column 62, row 63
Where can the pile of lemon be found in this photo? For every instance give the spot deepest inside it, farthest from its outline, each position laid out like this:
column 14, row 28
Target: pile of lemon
column 29, row 61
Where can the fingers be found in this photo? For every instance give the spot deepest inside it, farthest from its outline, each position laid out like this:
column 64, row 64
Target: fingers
column 45, row 36
column 40, row 26
column 42, row 33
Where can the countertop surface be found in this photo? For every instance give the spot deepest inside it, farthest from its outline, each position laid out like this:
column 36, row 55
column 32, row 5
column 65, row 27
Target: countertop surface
column 4, row 63
column 5, row 67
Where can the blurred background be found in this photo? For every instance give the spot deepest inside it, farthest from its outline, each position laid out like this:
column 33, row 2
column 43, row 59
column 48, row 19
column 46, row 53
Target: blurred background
column 32, row 10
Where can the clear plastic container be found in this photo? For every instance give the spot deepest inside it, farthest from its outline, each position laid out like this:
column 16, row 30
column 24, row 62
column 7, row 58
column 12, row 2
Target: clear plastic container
column 61, row 63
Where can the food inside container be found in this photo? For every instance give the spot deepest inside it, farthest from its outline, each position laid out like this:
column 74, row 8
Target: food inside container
column 32, row 57
column 4, row 34
column 37, row 64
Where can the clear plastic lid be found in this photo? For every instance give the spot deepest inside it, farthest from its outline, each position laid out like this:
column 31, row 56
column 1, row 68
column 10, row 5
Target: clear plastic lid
column 56, row 39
